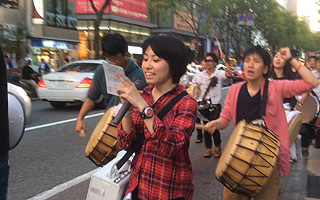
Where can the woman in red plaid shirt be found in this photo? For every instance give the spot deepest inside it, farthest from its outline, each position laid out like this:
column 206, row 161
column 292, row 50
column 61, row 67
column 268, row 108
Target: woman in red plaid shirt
column 161, row 168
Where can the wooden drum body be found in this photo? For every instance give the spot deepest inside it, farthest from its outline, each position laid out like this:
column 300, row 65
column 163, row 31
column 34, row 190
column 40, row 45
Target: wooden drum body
column 294, row 125
column 249, row 158
column 310, row 110
column 103, row 145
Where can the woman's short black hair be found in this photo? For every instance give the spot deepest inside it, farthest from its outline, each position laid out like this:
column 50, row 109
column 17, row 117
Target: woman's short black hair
column 114, row 43
column 171, row 50
column 262, row 53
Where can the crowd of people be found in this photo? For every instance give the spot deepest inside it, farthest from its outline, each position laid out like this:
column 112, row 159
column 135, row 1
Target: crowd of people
column 161, row 167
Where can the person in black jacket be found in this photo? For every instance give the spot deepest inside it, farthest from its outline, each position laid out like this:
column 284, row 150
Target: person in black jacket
column 4, row 130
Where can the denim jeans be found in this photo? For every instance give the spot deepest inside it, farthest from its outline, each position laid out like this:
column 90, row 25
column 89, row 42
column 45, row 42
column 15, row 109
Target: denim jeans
column 4, row 175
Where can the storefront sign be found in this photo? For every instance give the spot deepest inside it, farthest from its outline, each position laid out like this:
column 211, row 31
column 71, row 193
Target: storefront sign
column 54, row 44
column 38, row 12
column 135, row 9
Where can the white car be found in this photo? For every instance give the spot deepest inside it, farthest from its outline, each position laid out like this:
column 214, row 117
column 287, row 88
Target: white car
column 22, row 96
column 69, row 84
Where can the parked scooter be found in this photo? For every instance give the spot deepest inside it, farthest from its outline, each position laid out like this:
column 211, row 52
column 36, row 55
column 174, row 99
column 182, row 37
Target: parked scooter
column 15, row 78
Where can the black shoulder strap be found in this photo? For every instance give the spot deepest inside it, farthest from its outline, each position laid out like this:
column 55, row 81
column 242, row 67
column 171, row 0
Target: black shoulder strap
column 264, row 98
column 170, row 105
column 160, row 115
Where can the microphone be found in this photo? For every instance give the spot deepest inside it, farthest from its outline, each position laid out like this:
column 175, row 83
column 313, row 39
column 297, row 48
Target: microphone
column 126, row 105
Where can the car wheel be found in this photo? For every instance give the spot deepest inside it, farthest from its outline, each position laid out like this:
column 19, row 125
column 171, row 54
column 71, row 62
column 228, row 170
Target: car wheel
column 57, row 104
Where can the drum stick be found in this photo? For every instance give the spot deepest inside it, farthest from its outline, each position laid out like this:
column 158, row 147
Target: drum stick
column 218, row 43
column 201, row 126
column 82, row 133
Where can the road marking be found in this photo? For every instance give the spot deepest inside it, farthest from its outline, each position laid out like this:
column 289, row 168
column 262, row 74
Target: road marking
column 60, row 122
column 64, row 186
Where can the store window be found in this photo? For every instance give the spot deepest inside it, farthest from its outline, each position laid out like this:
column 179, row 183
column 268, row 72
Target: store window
column 14, row 4
column 60, row 13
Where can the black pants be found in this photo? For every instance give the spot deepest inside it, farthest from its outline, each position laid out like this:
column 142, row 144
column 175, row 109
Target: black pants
column 307, row 134
column 199, row 131
column 212, row 114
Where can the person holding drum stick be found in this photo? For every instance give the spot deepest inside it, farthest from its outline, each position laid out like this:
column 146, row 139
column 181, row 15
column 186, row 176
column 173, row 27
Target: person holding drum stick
column 114, row 48
column 282, row 70
column 161, row 168
column 243, row 102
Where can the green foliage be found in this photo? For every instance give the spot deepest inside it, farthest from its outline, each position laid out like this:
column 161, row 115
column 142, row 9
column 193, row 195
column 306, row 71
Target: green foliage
column 13, row 40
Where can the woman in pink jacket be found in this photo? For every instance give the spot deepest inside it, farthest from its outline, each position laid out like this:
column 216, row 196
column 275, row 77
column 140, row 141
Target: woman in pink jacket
column 243, row 102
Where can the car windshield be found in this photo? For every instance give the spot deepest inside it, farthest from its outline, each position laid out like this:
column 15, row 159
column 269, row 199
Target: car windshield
column 80, row 67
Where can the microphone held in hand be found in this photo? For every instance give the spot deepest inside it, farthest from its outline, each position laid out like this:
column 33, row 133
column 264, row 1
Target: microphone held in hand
column 126, row 105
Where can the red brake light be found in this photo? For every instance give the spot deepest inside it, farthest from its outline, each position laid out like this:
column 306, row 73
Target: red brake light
column 85, row 83
column 240, row 72
column 41, row 84
column 72, row 72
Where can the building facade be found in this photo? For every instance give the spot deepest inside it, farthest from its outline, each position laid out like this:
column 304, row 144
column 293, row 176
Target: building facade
column 51, row 25
column 126, row 17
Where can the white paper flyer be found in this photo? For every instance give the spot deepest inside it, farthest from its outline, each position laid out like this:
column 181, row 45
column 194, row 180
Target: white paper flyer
column 111, row 80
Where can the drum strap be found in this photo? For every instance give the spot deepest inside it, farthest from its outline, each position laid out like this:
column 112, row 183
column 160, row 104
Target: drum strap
column 264, row 98
column 160, row 115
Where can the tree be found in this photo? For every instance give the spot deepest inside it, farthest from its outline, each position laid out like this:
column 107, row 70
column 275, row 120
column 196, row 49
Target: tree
column 14, row 40
column 99, row 14
column 189, row 11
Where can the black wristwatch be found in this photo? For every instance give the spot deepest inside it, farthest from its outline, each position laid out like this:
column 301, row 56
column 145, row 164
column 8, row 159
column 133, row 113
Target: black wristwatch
column 146, row 113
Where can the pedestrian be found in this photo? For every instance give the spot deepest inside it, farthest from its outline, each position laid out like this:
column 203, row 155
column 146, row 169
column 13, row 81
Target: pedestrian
column 44, row 67
column 196, row 95
column 209, row 83
column 312, row 62
column 28, row 74
column 4, row 130
column 8, row 61
column 282, row 70
column 243, row 102
column 309, row 132
column 115, row 49
column 161, row 168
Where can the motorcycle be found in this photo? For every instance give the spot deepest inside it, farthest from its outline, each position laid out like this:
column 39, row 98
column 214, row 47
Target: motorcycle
column 15, row 78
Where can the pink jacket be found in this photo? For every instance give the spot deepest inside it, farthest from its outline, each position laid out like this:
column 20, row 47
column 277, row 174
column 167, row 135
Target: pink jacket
column 275, row 118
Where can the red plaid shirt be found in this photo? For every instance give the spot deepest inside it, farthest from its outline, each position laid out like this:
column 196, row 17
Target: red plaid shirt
column 162, row 167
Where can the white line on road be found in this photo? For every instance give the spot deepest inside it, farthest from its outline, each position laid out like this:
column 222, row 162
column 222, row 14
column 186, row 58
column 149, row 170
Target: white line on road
column 60, row 122
column 58, row 189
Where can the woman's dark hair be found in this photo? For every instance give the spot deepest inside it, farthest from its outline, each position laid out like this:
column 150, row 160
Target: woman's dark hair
column 172, row 50
column 262, row 53
column 288, row 74
column 112, row 44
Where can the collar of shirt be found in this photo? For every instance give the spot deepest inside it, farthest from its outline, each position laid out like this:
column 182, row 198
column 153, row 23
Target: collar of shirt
column 164, row 99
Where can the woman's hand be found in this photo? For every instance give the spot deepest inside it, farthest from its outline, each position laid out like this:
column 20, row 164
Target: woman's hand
column 285, row 53
column 211, row 126
column 128, row 91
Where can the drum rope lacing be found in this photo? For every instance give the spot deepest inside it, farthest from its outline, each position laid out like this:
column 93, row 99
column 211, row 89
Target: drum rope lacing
column 250, row 165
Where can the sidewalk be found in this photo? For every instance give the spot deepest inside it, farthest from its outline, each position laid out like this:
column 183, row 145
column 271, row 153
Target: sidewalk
column 304, row 179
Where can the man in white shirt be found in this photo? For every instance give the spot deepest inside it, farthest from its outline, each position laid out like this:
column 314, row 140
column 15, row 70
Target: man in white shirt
column 209, row 83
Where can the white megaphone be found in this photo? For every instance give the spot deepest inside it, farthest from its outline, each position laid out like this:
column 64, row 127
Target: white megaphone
column 17, row 118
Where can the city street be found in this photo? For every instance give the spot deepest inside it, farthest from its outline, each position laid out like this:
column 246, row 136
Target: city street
column 49, row 163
